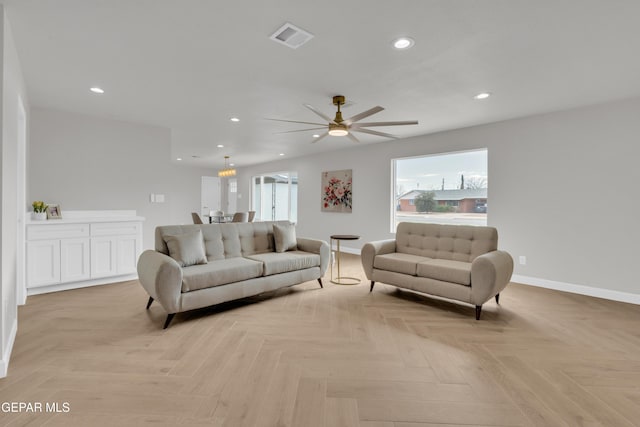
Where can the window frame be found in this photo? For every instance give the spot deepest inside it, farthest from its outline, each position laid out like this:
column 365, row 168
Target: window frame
column 395, row 201
column 291, row 175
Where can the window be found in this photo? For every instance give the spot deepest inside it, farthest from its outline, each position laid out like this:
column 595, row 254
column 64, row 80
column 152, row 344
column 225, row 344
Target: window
column 275, row 196
column 446, row 188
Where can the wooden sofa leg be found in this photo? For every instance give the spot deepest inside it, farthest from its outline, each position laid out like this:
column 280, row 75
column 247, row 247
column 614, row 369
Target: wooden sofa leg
column 478, row 311
column 149, row 303
column 169, row 319
column 320, row 281
column 372, row 283
column 497, row 298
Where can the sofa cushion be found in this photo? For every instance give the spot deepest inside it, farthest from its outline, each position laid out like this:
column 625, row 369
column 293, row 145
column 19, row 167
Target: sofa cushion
column 400, row 263
column 219, row 272
column 284, row 236
column 446, row 270
column 275, row 263
column 187, row 248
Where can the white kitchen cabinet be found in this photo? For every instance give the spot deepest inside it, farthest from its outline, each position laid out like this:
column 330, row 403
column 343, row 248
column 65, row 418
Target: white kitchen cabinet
column 85, row 248
column 103, row 259
column 43, row 266
column 74, row 259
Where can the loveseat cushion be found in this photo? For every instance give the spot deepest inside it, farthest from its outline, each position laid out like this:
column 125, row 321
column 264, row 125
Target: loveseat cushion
column 275, row 263
column 219, row 272
column 446, row 270
column 398, row 262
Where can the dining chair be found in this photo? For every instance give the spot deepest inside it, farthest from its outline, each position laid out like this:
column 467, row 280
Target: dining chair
column 196, row 218
column 240, row 217
column 252, row 214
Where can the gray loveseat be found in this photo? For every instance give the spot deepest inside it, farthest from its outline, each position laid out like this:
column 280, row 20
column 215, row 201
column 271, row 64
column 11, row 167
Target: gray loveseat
column 452, row 261
column 199, row 265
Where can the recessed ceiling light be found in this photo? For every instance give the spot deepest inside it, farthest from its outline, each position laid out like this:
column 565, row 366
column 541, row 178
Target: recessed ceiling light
column 316, row 136
column 483, row 95
column 96, row 90
column 220, row 146
column 403, row 43
column 234, row 119
column 179, row 158
column 282, row 154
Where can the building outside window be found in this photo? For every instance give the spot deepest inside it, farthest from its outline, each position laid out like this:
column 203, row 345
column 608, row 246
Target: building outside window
column 450, row 188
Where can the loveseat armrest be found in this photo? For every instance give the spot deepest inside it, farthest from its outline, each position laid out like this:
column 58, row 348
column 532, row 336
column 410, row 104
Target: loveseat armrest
column 161, row 276
column 315, row 246
column 490, row 274
column 371, row 249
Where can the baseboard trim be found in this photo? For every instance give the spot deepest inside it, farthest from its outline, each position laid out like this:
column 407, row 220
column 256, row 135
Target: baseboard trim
column 348, row 250
column 578, row 289
column 4, row 363
column 76, row 285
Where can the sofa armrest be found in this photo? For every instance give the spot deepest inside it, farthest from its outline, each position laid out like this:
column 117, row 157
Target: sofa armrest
column 490, row 274
column 161, row 276
column 316, row 247
column 371, row 249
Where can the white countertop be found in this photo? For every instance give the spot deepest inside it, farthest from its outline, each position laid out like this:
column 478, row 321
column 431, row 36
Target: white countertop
column 85, row 217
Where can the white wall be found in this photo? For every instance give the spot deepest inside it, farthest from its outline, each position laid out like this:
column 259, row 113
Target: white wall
column 86, row 163
column 562, row 192
column 12, row 89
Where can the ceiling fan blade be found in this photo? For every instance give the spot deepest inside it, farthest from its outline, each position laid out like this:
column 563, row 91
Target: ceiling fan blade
column 352, row 137
column 374, row 132
column 364, row 125
column 301, row 130
column 320, row 113
column 364, row 114
column 295, row 121
column 319, row 138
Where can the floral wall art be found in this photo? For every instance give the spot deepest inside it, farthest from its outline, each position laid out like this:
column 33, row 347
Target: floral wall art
column 336, row 191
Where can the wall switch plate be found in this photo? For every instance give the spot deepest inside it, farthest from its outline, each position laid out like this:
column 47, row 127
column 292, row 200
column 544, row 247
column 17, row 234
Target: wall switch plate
column 152, row 198
column 523, row 260
column 159, row 198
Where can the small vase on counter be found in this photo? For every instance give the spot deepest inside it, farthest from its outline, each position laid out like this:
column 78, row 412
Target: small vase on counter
column 39, row 211
column 38, row 216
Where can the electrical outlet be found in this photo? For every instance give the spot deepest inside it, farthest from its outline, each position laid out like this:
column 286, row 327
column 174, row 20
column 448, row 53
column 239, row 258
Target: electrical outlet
column 523, row 260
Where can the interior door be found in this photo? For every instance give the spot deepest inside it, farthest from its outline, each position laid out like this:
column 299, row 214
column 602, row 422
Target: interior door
column 209, row 196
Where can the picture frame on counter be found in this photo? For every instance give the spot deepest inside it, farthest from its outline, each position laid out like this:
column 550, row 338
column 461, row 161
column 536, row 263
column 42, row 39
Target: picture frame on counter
column 54, row 212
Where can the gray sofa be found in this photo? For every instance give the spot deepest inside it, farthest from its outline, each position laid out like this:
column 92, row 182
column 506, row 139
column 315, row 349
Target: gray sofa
column 199, row 265
column 453, row 261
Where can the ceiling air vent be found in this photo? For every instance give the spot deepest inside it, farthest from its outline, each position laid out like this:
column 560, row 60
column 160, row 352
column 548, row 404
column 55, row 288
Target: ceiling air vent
column 291, row 36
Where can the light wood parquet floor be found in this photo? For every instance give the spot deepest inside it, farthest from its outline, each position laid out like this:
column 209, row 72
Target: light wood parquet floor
column 338, row 356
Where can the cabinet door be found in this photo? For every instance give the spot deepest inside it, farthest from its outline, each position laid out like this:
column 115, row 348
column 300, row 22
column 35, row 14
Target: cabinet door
column 103, row 256
column 74, row 260
column 43, row 263
column 128, row 248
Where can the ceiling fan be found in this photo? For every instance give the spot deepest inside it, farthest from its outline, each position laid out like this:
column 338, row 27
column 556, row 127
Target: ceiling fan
column 341, row 127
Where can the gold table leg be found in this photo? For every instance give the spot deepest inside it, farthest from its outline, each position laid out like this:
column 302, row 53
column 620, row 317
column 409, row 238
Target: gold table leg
column 340, row 280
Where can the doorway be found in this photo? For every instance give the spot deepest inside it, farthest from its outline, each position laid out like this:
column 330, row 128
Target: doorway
column 209, row 195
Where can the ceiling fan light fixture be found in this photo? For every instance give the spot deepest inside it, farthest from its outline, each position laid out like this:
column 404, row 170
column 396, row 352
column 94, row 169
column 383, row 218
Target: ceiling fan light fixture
column 338, row 130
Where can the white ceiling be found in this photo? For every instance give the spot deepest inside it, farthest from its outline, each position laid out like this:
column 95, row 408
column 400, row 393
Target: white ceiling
column 190, row 65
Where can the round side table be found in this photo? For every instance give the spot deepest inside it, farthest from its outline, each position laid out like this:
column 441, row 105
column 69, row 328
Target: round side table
column 342, row 280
